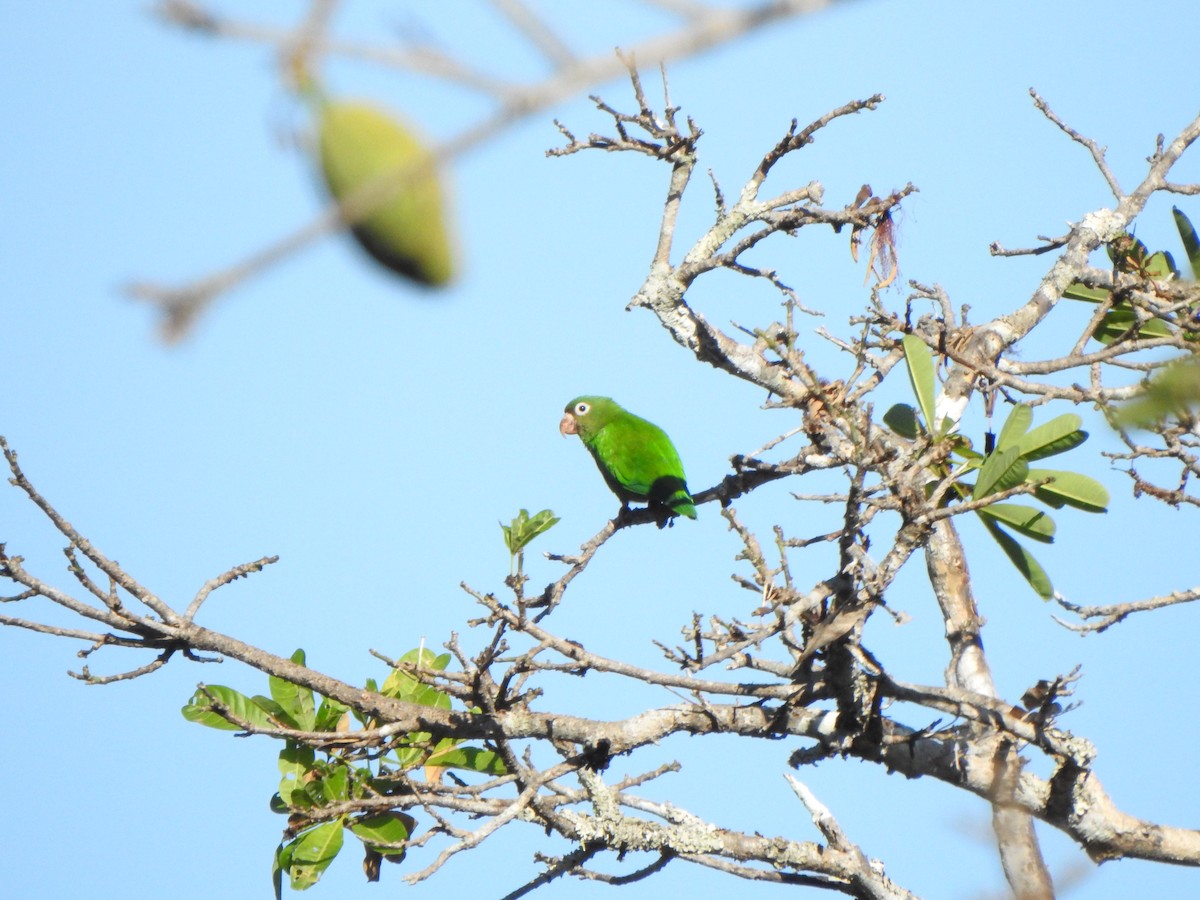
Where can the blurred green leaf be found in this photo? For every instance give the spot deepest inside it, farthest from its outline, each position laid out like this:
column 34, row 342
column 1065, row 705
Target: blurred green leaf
column 1056, row 436
column 1022, row 559
column 426, row 659
column 1121, row 319
column 1015, row 426
column 1191, row 243
column 1131, row 256
column 312, row 852
column 471, row 759
column 1128, row 254
column 384, row 828
column 281, row 863
column 1174, row 391
column 1033, row 523
column 410, row 757
column 273, row 708
column 329, row 714
column 1161, row 265
column 1070, row 489
column 524, row 528
column 1001, row 470
column 920, row 373
column 199, row 709
column 295, row 761
column 331, row 785
column 295, row 702
column 902, row 419
column 962, row 446
column 402, row 686
column 1077, row 290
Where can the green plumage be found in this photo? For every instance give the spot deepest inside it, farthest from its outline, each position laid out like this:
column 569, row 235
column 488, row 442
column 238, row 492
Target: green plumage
column 636, row 458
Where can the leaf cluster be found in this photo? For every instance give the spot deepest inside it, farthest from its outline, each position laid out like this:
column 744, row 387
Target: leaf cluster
column 318, row 775
column 1130, row 256
column 523, row 529
column 1003, row 470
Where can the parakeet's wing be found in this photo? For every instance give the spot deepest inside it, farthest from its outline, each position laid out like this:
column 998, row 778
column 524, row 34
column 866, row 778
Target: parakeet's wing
column 635, row 454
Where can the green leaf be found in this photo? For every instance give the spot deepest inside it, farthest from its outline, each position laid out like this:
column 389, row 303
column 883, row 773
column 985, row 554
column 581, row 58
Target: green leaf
column 329, row 714
column 471, row 759
column 1077, row 290
column 1172, row 392
column 1015, row 426
column 902, row 419
column 961, row 445
column 508, row 535
column 331, row 785
column 920, row 373
column 1022, row 559
column 1161, row 265
column 1191, row 243
column 1127, row 253
column 273, row 709
column 402, row 686
column 525, row 528
column 1033, row 523
column 1056, row 436
column 281, row 863
column 540, row 523
column 199, row 709
column 411, row 757
column 384, row 828
column 1121, row 319
column 312, row 852
column 1001, row 470
column 295, row 761
column 1070, row 489
column 426, row 659
column 295, row 702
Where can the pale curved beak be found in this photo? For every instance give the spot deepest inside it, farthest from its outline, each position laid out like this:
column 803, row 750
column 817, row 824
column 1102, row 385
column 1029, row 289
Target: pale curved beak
column 568, row 425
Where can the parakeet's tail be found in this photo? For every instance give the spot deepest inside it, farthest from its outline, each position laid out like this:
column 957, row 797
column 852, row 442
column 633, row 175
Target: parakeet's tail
column 683, row 506
column 672, row 492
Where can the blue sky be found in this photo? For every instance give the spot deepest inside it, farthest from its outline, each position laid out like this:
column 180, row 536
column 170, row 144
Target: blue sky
column 373, row 436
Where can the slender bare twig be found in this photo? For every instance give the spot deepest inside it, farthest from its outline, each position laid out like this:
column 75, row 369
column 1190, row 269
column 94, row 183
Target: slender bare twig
column 223, row 579
column 1090, row 145
column 1101, row 618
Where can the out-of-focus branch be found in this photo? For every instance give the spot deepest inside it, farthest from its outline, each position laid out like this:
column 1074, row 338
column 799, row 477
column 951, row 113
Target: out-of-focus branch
column 701, row 29
column 538, row 31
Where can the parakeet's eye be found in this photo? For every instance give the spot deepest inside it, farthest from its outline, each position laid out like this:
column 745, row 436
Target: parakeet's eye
column 581, row 409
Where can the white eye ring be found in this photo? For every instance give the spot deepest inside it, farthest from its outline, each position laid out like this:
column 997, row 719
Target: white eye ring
column 581, row 409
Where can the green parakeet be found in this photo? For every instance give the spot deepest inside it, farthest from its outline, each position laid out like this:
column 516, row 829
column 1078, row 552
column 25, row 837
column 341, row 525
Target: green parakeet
column 636, row 458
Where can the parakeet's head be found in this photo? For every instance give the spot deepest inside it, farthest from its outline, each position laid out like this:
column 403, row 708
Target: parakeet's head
column 587, row 415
